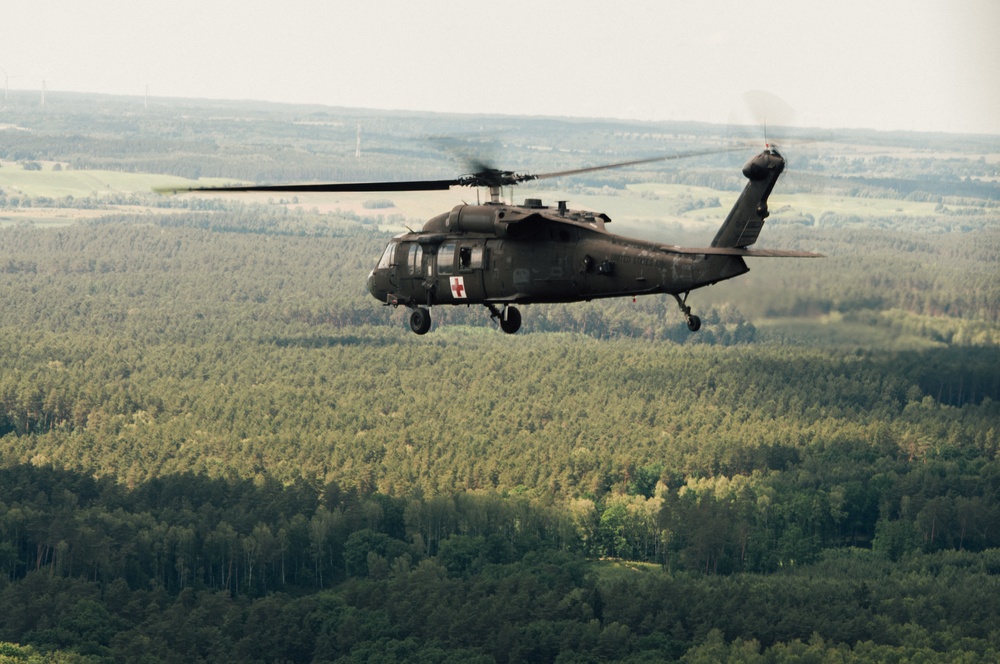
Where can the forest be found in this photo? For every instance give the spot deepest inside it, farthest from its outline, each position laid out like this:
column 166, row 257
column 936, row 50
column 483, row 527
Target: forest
column 216, row 446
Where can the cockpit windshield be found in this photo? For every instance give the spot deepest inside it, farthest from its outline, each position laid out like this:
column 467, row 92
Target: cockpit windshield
column 387, row 256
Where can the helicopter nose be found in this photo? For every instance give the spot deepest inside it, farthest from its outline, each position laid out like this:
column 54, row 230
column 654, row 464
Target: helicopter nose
column 373, row 288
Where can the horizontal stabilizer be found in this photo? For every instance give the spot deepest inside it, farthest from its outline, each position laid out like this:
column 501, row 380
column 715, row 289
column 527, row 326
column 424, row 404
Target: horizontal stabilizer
column 740, row 251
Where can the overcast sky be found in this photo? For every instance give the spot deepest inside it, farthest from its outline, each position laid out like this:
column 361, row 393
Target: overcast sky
column 885, row 64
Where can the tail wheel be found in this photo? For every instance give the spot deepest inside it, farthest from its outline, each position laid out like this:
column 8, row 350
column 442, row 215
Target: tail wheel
column 420, row 320
column 693, row 322
column 510, row 321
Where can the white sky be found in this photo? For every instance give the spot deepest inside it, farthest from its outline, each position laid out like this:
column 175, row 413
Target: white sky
column 923, row 65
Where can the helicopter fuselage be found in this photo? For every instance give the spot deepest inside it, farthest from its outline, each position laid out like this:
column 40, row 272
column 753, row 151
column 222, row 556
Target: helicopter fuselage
column 502, row 254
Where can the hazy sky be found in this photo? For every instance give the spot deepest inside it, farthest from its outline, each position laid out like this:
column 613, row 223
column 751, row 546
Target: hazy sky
column 885, row 64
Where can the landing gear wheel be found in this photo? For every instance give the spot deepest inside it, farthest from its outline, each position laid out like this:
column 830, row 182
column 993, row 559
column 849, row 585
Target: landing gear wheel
column 510, row 321
column 420, row 320
column 693, row 322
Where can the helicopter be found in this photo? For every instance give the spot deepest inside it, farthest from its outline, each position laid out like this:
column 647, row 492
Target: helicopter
column 500, row 255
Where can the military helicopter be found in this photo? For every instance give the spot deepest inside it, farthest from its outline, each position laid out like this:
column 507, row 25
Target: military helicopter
column 500, row 255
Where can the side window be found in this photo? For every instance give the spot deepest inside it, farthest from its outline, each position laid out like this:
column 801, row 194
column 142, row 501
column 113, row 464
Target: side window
column 388, row 256
column 415, row 260
column 471, row 258
column 446, row 259
column 478, row 258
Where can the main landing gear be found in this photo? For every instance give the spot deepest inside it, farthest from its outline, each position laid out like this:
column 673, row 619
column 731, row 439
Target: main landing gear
column 510, row 317
column 420, row 320
column 693, row 322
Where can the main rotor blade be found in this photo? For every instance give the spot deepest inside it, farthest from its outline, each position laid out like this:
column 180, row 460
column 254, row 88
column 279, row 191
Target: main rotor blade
column 636, row 162
column 412, row 185
column 485, row 177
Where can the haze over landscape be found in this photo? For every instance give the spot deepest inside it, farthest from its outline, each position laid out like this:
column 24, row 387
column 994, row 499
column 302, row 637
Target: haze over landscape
column 896, row 65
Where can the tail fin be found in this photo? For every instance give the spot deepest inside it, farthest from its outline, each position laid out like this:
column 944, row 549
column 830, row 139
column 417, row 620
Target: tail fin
column 745, row 220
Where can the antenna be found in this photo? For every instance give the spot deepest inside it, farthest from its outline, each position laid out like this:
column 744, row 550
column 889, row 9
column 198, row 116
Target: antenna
column 357, row 150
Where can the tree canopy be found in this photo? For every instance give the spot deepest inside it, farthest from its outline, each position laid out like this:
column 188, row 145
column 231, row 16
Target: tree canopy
column 215, row 446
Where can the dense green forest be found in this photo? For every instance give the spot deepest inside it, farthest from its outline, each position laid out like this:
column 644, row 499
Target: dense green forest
column 215, row 446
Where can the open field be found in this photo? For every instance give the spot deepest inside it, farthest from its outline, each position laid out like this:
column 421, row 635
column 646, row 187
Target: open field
column 638, row 204
column 832, row 331
column 15, row 180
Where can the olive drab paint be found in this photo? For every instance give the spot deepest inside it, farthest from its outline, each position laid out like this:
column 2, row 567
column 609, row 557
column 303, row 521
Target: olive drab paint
column 499, row 255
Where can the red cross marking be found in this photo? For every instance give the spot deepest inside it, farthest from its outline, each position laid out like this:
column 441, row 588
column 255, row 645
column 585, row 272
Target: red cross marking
column 458, row 287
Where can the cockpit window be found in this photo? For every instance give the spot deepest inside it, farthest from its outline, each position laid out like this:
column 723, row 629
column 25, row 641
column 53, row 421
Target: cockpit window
column 415, row 260
column 388, row 256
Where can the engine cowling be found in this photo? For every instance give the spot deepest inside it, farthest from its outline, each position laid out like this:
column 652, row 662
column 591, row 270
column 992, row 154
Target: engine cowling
column 473, row 219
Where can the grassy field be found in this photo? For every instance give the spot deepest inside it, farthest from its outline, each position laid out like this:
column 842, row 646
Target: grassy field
column 832, row 330
column 55, row 184
column 638, row 204
column 47, row 217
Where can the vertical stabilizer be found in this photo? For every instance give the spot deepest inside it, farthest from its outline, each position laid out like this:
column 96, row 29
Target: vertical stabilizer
column 745, row 220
